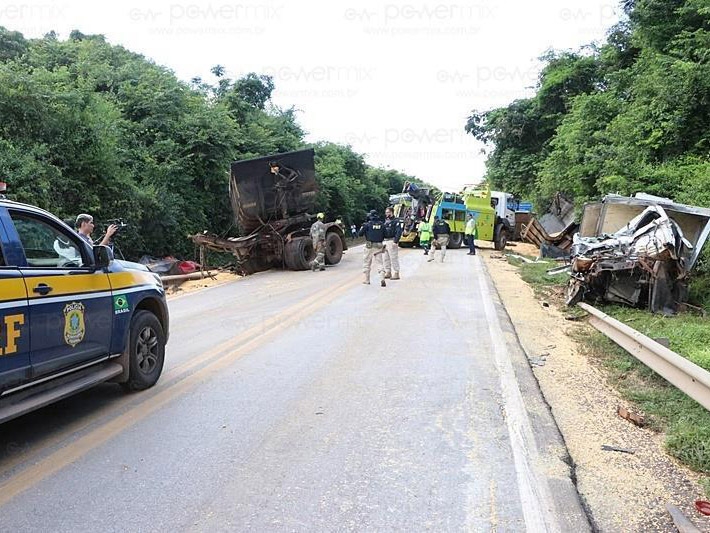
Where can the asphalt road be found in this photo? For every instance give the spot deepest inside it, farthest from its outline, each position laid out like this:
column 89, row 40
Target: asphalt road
column 301, row 401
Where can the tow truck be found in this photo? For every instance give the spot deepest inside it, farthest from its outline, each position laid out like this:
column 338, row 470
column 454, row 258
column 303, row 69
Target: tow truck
column 71, row 316
column 494, row 212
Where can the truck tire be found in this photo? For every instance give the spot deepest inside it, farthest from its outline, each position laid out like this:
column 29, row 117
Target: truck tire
column 299, row 253
column 501, row 237
column 146, row 354
column 333, row 248
column 455, row 241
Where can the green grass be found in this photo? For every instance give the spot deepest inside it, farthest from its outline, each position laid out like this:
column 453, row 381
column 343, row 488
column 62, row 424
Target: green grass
column 536, row 273
column 686, row 423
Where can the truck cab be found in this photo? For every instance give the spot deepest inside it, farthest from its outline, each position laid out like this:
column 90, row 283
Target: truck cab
column 495, row 214
column 70, row 315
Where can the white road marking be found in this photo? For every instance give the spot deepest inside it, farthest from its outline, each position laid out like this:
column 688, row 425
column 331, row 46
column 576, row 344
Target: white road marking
column 536, row 499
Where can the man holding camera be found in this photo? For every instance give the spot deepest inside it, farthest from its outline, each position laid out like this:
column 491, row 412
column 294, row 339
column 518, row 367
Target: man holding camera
column 85, row 226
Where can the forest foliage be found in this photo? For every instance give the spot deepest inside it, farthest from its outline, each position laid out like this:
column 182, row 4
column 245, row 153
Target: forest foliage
column 88, row 126
column 631, row 114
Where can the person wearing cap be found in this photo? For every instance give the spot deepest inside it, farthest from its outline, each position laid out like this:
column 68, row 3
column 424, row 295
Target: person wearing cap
column 393, row 232
column 318, row 238
column 85, row 226
column 374, row 233
column 441, row 231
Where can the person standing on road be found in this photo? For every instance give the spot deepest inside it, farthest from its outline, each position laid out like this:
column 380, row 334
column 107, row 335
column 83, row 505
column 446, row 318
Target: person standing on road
column 374, row 233
column 353, row 231
column 85, row 226
column 441, row 231
column 318, row 238
column 393, row 232
column 470, row 233
column 425, row 235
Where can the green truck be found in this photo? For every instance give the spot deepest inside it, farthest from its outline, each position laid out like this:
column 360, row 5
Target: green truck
column 494, row 212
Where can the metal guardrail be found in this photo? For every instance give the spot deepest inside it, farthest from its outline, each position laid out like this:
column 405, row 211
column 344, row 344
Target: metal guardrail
column 687, row 376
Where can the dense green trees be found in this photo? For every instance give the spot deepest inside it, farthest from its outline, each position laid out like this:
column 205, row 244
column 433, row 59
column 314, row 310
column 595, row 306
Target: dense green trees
column 91, row 127
column 630, row 115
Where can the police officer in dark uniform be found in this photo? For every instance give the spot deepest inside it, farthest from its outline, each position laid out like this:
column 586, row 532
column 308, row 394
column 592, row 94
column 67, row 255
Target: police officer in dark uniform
column 441, row 230
column 374, row 233
column 393, row 232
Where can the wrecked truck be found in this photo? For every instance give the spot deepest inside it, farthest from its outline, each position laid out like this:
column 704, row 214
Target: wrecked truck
column 273, row 199
column 637, row 251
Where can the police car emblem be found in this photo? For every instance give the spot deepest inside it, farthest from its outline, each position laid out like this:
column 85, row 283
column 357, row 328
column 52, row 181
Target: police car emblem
column 74, row 328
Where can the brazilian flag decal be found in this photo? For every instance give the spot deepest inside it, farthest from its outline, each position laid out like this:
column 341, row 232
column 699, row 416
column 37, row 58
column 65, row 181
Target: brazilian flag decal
column 120, row 304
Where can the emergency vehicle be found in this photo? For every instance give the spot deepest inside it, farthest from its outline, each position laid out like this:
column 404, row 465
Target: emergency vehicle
column 71, row 316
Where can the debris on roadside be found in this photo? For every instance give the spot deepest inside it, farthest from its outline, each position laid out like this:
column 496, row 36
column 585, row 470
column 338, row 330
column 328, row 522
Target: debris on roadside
column 635, row 418
column 564, row 269
column 521, row 258
column 169, row 266
column 609, row 448
column 552, row 233
column 703, row 507
column 663, row 341
column 637, row 251
column 681, row 522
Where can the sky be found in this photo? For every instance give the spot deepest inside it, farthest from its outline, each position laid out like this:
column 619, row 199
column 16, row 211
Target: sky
column 396, row 80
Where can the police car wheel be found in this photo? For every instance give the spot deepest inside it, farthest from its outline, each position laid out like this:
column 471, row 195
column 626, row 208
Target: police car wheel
column 147, row 351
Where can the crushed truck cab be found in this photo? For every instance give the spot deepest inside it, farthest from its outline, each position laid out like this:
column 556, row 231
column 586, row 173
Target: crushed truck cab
column 70, row 315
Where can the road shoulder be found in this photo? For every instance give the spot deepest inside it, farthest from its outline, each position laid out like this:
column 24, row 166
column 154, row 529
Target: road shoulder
column 621, row 492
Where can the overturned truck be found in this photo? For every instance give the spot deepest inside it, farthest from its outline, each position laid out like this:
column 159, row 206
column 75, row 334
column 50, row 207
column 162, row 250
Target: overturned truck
column 273, row 199
column 637, row 251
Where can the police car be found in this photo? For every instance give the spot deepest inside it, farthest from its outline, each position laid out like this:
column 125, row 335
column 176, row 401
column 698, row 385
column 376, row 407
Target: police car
column 70, row 315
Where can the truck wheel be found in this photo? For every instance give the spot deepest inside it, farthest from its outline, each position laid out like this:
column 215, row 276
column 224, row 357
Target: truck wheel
column 501, row 237
column 299, row 253
column 455, row 241
column 333, row 248
column 146, row 351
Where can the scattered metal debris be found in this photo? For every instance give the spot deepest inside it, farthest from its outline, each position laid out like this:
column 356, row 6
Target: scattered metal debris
column 663, row 341
column 682, row 523
column 564, row 269
column 637, row 251
column 521, row 258
column 609, row 448
column 552, row 233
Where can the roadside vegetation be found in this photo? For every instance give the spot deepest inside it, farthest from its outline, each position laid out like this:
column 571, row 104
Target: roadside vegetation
column 628, row 115
column 88, row 126
column 685, row 423
column 625, row 116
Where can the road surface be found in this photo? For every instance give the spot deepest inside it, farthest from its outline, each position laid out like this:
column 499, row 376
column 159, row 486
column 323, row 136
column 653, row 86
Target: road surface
column 301, row 401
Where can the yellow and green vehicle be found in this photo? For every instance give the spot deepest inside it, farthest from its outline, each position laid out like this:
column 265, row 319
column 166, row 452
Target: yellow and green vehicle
column 494, row 213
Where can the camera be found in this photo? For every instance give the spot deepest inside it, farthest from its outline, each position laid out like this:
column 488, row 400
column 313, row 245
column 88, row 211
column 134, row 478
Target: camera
column 118, row 222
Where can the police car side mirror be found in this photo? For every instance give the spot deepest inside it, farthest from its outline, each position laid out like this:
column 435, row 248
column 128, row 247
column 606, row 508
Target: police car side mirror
column 103, row 255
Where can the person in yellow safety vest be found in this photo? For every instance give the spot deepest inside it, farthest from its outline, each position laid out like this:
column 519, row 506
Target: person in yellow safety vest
column 470, row 233
column 425, row 235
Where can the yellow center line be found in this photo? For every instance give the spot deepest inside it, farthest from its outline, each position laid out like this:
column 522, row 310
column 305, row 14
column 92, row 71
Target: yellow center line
column 69, row 454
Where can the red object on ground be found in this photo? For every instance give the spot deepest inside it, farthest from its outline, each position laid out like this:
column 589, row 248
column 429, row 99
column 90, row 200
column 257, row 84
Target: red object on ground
column 703, row 507
column 187, row 267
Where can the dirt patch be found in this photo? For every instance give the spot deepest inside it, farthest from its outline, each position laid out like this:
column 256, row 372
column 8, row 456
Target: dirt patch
column 522, row 248
column 173, row 289
column 623, row 492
